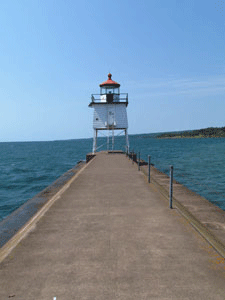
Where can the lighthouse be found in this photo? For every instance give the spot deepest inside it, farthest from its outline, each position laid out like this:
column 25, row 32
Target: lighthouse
column 110, row 112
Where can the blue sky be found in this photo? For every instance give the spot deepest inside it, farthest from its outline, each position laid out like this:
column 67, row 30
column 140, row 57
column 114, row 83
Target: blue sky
column 169, row 56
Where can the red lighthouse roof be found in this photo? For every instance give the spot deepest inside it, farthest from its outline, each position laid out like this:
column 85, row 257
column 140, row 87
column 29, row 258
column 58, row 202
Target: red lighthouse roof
column 109, row 82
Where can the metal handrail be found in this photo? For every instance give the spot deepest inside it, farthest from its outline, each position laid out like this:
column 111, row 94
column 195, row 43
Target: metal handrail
column 123, row 97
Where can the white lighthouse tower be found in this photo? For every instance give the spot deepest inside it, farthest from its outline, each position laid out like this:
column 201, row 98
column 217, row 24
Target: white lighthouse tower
column 110, row 112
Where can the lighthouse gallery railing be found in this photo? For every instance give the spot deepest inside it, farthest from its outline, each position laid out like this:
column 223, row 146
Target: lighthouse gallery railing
column 102, row 98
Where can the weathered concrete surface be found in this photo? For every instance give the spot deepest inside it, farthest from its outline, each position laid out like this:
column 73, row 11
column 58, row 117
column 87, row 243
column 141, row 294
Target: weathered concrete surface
column 16, row 220
column 110, row 235
column 211, row 218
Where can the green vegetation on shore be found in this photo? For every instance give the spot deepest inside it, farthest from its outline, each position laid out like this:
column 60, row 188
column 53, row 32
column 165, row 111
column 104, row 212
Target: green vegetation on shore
column 198, row 133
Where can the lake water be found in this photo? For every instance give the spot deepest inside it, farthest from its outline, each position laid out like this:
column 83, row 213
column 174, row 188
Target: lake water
column 26, row 168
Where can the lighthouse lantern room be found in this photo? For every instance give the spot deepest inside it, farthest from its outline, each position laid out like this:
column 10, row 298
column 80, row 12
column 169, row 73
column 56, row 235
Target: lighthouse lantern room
column 109, row 112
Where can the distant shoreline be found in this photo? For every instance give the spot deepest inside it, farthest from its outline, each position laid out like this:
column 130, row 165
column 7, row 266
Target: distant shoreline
column 190, row 137
column 211, row 132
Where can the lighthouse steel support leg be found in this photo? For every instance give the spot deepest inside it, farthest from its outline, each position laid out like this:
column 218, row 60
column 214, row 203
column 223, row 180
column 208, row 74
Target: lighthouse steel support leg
column 108, row 140
column 112, row 139
column 95, row 140
column 127, row 141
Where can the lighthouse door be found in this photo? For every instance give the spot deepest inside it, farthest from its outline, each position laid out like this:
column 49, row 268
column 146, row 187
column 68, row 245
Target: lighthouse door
column 110, row 118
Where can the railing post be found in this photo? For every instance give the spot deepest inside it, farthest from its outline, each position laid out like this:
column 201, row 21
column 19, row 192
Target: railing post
column 171, row 186
column 133, row 157
column 149, row 165
column 139, row 155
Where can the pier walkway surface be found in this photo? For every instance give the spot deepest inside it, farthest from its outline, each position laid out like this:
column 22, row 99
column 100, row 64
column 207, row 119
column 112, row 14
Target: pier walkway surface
column 111, row 235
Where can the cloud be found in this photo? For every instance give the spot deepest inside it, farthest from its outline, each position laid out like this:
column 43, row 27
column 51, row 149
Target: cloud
column 185, row 86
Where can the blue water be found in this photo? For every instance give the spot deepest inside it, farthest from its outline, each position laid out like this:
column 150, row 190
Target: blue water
column 26, row 168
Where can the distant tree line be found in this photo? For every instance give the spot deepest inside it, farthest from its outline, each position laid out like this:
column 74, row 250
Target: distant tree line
column 206, row 132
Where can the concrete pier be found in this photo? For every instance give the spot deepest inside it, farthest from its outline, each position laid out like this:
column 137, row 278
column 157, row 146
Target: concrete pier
column 108, row 234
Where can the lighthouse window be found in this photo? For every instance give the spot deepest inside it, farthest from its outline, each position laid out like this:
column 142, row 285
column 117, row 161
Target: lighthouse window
column 96, row 119
column 109, row 91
